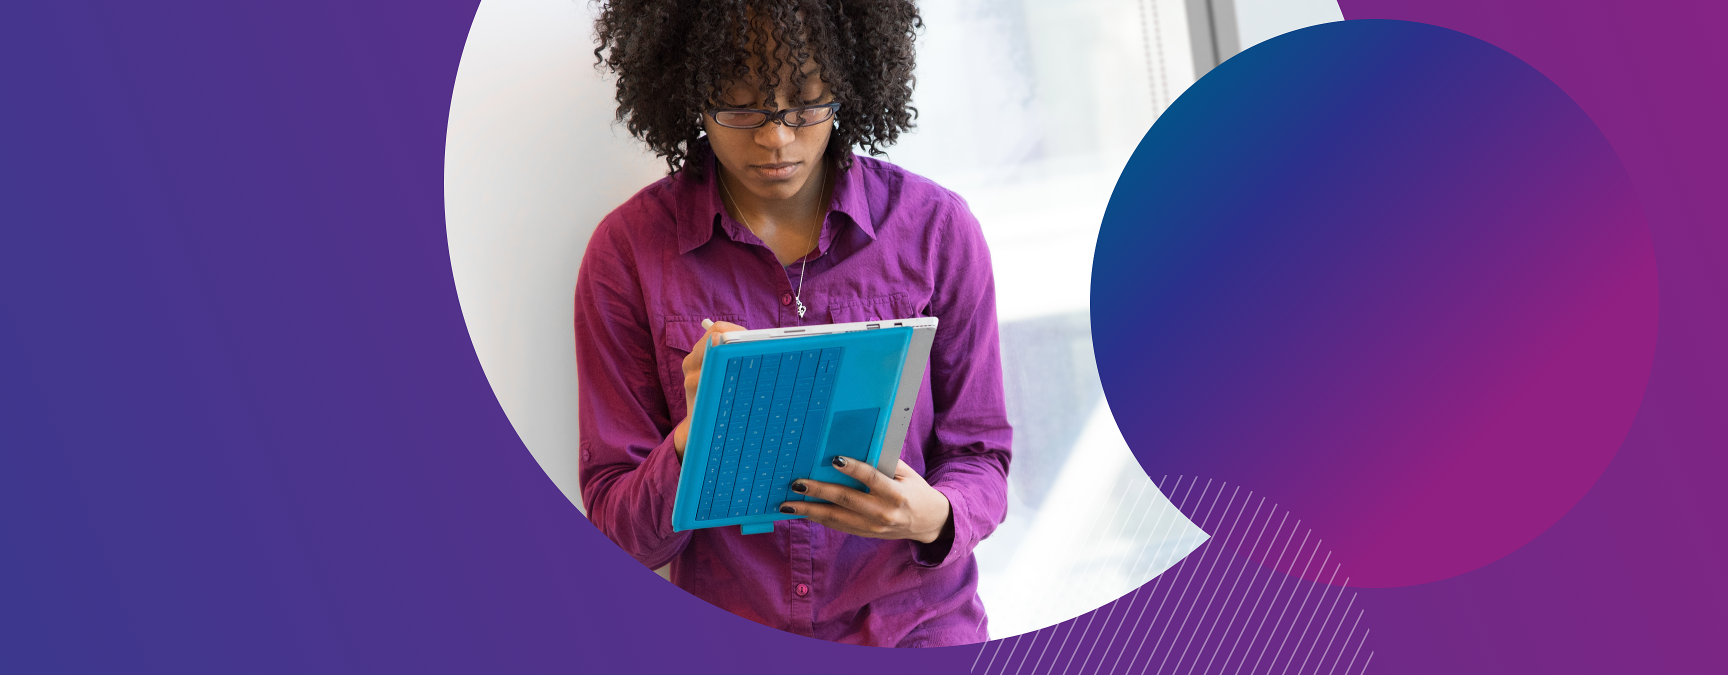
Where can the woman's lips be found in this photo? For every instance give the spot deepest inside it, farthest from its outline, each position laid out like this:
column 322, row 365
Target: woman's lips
column 779, row 171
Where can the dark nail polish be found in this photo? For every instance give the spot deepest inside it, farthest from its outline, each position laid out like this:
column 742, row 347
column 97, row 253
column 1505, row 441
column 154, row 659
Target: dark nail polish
column 798, row 486
column 839, row 462
column 785, row 509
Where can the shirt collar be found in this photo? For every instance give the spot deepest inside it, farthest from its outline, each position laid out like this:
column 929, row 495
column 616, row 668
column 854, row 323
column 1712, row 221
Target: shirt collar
column 705, row 207
column 853, row 199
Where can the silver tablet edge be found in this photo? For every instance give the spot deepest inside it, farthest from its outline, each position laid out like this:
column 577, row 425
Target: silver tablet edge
column 906, row 399
column 761, row 334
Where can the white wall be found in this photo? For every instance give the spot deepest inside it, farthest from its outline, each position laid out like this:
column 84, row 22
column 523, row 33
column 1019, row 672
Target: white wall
column 532, row 162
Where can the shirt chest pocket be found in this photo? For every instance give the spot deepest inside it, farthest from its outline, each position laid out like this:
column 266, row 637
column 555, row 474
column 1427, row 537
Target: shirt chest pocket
column 678, row 334
column 884, row 308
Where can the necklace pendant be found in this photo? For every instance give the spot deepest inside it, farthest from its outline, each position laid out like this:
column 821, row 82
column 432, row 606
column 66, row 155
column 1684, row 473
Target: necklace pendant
column 800, row 308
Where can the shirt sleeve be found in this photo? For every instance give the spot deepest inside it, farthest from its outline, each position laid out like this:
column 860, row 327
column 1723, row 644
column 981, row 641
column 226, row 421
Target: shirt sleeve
column 970, row 463
column 629, row 467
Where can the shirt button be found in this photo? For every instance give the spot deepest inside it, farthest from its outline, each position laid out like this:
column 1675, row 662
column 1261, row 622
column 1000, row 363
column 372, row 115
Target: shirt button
column 802, row 590
column 785, row 299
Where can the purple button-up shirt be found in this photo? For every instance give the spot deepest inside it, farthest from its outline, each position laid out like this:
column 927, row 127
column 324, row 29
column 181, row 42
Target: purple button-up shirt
column 894, row 245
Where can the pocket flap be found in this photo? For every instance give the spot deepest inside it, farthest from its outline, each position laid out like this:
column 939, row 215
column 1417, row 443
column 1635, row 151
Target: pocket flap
column 682, row 332
column 870, row 309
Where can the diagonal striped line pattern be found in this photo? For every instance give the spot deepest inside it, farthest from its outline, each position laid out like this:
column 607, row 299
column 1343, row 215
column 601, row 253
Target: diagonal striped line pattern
column 1215, row 611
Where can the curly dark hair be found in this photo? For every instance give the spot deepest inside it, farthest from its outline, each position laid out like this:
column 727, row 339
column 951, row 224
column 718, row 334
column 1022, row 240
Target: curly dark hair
column 672, row 58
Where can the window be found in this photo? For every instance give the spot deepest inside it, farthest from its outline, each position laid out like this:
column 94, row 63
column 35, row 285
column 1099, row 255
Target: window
column 1029, row 110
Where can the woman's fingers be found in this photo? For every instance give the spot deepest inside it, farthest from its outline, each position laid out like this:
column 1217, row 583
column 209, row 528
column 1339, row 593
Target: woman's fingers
column 839, row 494
column 850, row 511
column 699, row 351
column 716, row 327
column 693, row 377
column 724, row 327
column 882, row 493
column 877, row 513
column 872, row 479
column 902, row 507
column 701, row 346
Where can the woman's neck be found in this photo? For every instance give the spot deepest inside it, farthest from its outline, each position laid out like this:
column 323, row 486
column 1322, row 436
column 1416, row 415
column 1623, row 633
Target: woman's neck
column 789, row 227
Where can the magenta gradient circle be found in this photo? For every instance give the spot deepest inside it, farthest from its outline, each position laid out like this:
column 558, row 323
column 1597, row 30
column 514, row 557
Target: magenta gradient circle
column 1389, row 277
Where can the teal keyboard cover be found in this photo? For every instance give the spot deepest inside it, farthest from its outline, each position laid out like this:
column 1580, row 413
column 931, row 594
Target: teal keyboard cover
column 771, row 412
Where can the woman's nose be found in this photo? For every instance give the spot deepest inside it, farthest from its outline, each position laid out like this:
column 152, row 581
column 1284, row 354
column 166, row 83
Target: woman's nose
column 774, row 135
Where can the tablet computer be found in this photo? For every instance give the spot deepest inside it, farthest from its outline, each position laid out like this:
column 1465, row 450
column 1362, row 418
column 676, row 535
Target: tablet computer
column 775, row 405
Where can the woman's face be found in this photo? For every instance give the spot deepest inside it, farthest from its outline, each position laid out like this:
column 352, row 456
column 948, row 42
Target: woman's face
column 774, row 162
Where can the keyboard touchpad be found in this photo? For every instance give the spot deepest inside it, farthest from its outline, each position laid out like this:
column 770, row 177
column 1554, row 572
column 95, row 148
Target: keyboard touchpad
column 849, row 434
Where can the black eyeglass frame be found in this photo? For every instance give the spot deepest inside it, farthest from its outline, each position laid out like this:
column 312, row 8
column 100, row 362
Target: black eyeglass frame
column 776, row 115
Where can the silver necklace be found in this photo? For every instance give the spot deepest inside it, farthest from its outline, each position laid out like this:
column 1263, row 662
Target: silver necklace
column 797, row 295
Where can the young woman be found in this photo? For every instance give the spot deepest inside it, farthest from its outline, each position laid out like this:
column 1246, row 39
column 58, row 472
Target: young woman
column 767, row 219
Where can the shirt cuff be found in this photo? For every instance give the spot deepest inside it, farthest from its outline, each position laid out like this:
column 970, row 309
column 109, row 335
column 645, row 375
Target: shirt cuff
column 950, row 549
column 659, row 473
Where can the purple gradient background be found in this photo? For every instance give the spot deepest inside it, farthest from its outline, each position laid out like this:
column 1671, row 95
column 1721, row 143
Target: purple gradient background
column 1389, row 276
column 1630, row 579
column 244, row 429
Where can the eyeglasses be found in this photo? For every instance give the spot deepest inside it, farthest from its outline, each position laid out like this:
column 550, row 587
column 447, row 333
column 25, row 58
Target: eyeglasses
column 745, row 118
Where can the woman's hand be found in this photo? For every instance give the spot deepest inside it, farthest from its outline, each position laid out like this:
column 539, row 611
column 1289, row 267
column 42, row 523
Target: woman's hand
column 693, row 377
column 902, row 507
